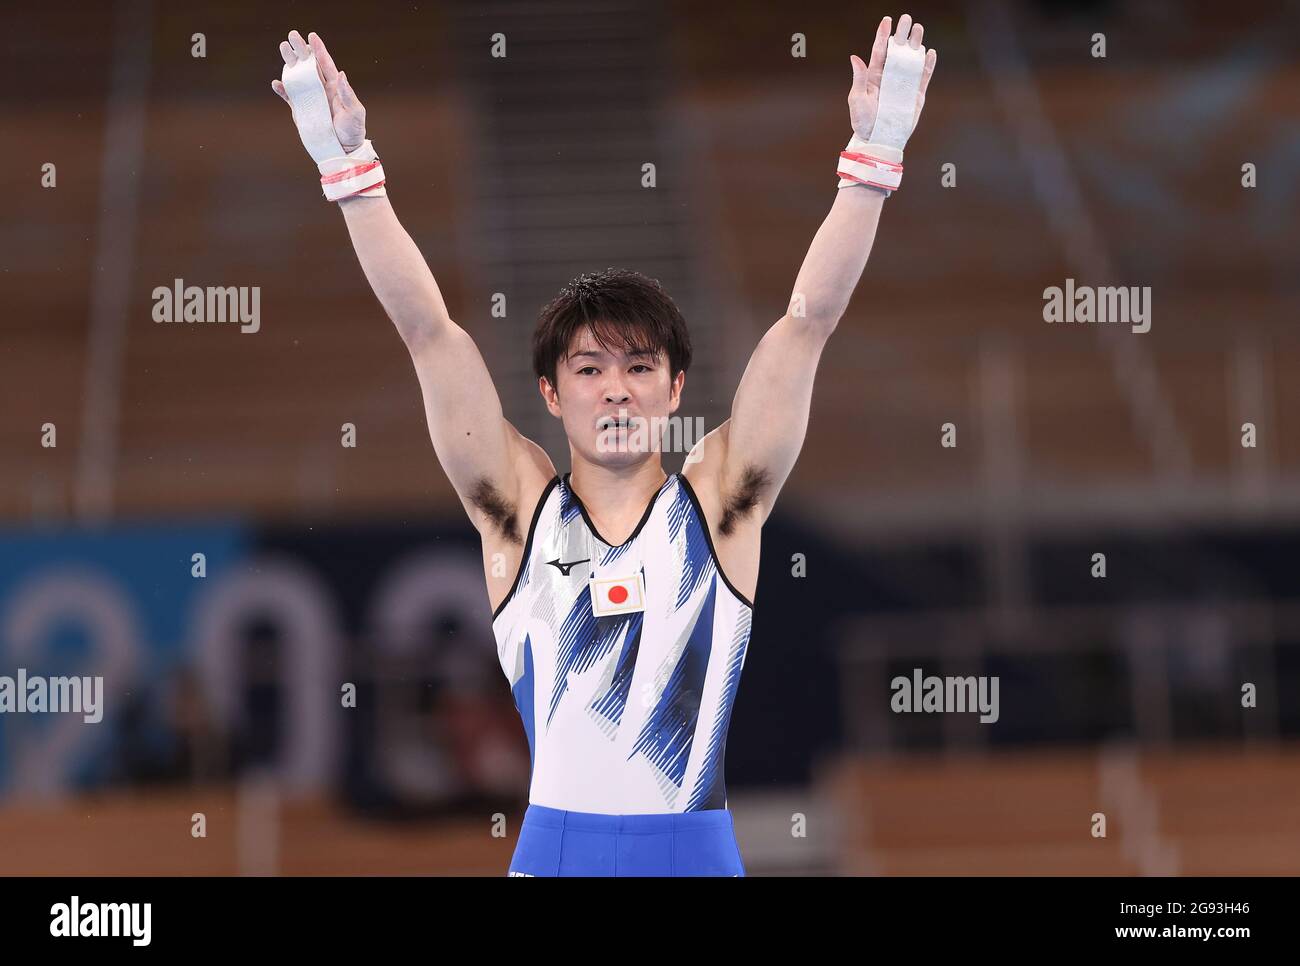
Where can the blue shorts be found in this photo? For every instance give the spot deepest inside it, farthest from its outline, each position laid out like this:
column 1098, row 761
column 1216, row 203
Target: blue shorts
column 554, row 842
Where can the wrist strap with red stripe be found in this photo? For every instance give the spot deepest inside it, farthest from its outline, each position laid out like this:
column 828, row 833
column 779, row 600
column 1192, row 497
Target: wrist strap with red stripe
column 359, row 172
column 864, row 162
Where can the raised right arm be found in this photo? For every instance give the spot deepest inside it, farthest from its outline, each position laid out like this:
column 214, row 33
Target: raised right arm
column 490, row 465
column 488, row 462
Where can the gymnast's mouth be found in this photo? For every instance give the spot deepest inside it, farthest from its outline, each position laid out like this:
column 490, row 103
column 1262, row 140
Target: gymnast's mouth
column 614, row 422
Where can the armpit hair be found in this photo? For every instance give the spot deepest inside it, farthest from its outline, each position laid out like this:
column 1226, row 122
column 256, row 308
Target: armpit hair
column 501, row 513
column 743, row 498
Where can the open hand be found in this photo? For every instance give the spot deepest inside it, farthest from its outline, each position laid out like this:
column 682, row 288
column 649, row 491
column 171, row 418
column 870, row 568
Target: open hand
column 864, row 96
column 347, row 113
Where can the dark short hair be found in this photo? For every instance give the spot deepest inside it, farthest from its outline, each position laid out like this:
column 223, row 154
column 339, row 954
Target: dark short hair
column 625, row 310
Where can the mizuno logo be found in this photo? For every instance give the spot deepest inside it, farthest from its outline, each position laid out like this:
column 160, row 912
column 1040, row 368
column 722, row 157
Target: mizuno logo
column 564, row 568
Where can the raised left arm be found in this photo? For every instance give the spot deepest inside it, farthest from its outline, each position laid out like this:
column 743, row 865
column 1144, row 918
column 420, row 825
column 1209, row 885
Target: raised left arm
column 754, row 452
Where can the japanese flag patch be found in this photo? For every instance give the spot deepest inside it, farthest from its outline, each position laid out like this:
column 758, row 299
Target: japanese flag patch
column 617, row 595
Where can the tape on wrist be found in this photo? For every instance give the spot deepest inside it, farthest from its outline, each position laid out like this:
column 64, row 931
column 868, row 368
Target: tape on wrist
column 357, row 173
column 878, row 160
column 869, row 163
column 343, row 173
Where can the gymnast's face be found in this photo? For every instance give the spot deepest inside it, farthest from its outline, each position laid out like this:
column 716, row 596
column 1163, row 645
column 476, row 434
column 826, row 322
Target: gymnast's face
column 608, row 400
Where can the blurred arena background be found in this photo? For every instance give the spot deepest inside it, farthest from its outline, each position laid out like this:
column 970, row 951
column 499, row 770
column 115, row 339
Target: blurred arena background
column 328, row 565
